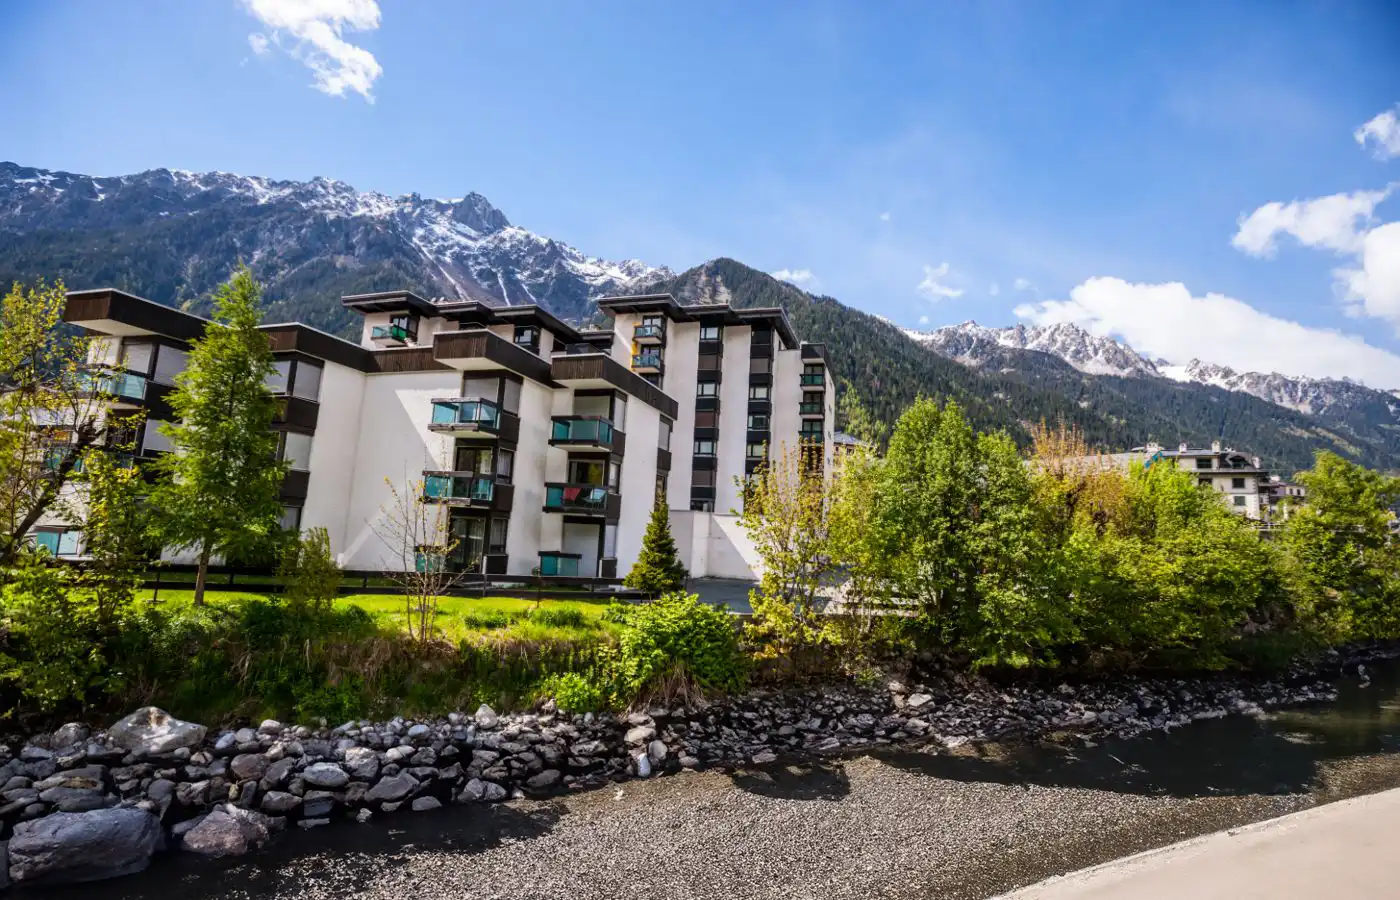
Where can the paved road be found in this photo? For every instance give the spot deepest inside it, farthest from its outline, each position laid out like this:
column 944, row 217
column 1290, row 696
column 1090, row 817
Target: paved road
column 1345, row 849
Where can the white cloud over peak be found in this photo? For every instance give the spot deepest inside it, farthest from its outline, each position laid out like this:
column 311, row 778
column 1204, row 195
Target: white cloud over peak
column 923, row 320
column 802, row 278
column 1166, row 320
column 1382, row 134
column 1336, row 222
column 1374, row 289
column 316, row 28
column 933, row 287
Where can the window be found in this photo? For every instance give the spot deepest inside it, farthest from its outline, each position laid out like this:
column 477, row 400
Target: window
column 57, row 541
column 755, row 451
column 280, row 377
column 527, row 336
column 291, row 518
column 306, row 383
column 709, row 362
column 505, row 464
column 706, row 389
column 758, row 422
column 1203, row 462
column 663, row 440
column 296, row 450
column 661, row 484
column 153, row 441
column 586, row 472
column 497, row 542
column 759, row 391
column 1239, row 501
column 653, row 320
column 476, row 460
column 483, row 388
column 702, row 506
column 609, row 541
column 510, row 397
column 1237, row 483
column 170, row 362
column 704, row 448
column 407, row 324
column 762, row 336
column 702, row 478
column 1203, row 482
column 706, row 418
column 137, row 356
column 761, row 365
column 811, row 429
column 709, row 332
column 614, row 475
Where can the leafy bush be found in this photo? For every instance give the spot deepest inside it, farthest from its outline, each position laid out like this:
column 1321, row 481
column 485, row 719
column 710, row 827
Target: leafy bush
column 559, row 617
column 309, row 569
column 487, row 619
column 575, row 692
column 676, row 648
column 53, row 655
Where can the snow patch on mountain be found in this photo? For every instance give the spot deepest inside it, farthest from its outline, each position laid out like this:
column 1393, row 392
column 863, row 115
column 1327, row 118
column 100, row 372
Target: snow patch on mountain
column 970, row 344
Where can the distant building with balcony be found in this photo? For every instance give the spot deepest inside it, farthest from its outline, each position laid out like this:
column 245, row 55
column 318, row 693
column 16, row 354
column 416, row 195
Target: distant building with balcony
column 546, row 445
column 1240, row 480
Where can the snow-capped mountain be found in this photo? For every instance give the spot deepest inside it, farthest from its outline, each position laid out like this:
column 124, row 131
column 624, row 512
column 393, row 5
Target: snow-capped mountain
column 289, row 231
column 1314, row 396
column 973, row 344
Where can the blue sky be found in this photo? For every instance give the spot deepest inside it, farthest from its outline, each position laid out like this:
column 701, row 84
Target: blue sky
column 915, row 160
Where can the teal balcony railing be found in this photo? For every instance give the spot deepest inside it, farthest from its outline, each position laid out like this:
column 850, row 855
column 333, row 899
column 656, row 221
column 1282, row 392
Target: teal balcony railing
column 581, row 430
column 648, row 332
column 124, row 386
column 579, row 498
column 54, row 458
column 646, row 360
column 389, row 333
column 473, row 488
column 811, row 409
column 481, row 413
column 813, row 379
column 559, row 564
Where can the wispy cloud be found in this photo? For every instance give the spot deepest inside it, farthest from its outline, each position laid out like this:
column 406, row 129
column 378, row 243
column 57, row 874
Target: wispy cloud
column 884, row 217
column 802, row 278
column 1336, row 222
column 1023, row 284
column 1216, row 328
column 311, row 32
column 1382, row 134
column 923, row 320
column 933, row 287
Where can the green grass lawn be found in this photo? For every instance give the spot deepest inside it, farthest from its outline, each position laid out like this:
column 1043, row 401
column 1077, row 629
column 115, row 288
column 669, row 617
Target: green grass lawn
column 457, row 617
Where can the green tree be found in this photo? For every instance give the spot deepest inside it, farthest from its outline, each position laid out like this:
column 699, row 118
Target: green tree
column 309, row 571
column 111, row 511
column 658, row 569
column 219, row 491
column 1344, row 561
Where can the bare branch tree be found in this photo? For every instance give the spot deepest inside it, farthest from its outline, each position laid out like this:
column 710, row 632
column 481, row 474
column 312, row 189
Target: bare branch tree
column 419, row 532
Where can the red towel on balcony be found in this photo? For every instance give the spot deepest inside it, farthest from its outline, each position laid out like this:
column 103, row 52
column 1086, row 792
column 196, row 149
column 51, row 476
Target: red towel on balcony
column 571, row 494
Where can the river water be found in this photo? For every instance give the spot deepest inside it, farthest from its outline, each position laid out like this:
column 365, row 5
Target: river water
column 1043, row 808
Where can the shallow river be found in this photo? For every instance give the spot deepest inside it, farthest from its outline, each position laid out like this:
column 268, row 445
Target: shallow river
column 966, row 824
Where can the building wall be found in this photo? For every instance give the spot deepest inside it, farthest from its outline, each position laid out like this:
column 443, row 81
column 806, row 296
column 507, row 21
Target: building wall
column 637, row 485
column 334, row 448
column 714, row 545
column 530, row 529
column 682, row 358
column 787, row 397
column 733, row 417
column 394, row 443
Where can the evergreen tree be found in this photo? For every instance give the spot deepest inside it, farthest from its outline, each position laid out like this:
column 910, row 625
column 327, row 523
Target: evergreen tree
column 658, row 570
column 219, row 491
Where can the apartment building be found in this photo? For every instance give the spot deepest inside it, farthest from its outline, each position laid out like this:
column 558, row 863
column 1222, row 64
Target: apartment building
column 545, row 444
column 1241, row 481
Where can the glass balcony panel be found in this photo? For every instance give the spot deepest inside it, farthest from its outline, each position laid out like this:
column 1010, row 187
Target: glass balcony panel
column 558, row 566
column 576, row 497
column 582, row 431
column 814, row 379
column 646, row 360
column 466, row 412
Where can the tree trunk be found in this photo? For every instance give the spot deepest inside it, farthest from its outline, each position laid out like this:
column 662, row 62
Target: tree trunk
column 201, row 575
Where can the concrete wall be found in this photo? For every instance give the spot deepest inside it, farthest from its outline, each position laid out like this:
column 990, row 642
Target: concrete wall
column 682, row 357
column 733, row 417
column 714, row 545
column 637, row 484
column 531, row 530
column 334, row 448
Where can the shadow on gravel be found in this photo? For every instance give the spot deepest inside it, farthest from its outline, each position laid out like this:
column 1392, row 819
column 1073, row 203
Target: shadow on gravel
column 804, row 781
column 1233, row 756
column 339, row 860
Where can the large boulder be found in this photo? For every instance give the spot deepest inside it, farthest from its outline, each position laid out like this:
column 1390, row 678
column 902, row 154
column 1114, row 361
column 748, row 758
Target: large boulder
column 325, row 775
column 65, row 848
column 362, row 762
column 228, row 831
column 392, row 788
column 153, row 732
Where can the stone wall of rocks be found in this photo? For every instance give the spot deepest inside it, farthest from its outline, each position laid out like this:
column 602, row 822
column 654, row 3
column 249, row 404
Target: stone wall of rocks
column 81, row 805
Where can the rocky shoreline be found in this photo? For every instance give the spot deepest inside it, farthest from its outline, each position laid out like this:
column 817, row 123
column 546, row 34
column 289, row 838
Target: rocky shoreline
column 81, row 805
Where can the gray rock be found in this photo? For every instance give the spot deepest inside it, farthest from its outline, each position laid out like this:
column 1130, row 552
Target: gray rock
column 640, row 734
column 153, row 731
column 764, row 757
column 228, row 831
column 35, row 754
column 424, row 804
column 308, row 824
column 278, row 773
column 249, row 765
column 364, row 816
column 318, row 804
column 327, row 776
column 917, row 701
column 418, row 731
column 270, row 726
column 486, row 717
column 362, row 762
column 161, row 789
column 73, row 800
column 65, row 848
column 544, row 781
column 657, row 750
column 689, row 762
column 280, row 802
column 392, row 788
column 4, row 864
column 70, row 734
column 478, row 791
column 589, row 748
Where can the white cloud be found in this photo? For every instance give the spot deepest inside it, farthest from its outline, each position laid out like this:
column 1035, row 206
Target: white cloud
column 884, row 217
column 802, row 278
column 923, row 320
column 317, row 27
column 259, row 42
column 932, row 286
column 1332, row 222
column 1374, row 289
column 1383, row 132
column 1023, row 284
column 995, row 289
column 1165, row 320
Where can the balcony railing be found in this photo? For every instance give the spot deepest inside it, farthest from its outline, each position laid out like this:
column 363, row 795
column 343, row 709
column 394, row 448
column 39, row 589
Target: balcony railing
column 468, row 488
column 813, row 379
column 472, row 414
column 595, row 431
column 584, row 499
column 812, row 409
column 559, row 564
column 390, row 334
column 649, row 333
column 122, row 387
column 646, row 361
